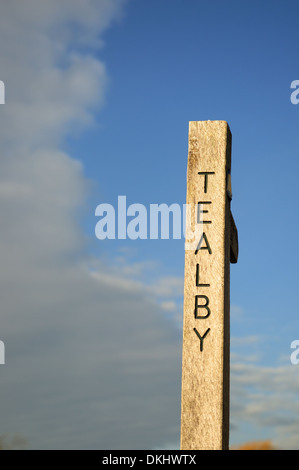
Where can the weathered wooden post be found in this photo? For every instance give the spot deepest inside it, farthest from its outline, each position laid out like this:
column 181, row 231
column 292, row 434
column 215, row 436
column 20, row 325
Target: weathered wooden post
column 206, row 331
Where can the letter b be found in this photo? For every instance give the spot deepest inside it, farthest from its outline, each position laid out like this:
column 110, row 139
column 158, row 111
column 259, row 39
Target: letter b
column 200, row 306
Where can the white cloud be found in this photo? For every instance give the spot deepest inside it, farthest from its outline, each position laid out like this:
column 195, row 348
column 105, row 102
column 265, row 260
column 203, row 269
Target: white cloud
column 91, row 360
column 247, row 340
column 169, row 306
column 236, row 312
column 266, row 399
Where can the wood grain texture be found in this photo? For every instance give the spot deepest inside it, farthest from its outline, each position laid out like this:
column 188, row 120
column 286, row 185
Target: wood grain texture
column 205, row 373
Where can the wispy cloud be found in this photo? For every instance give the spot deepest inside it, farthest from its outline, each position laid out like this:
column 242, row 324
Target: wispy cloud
column 246, row 340
column 266, row 398
column 91, row 360
column 237, row 312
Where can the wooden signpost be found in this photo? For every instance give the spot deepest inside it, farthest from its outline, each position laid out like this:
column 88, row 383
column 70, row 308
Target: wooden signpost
column 206, row 331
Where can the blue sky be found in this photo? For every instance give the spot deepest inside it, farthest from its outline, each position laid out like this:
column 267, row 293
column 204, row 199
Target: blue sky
column 98, row 100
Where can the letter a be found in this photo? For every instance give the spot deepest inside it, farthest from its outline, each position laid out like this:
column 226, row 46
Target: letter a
column 207, row 247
